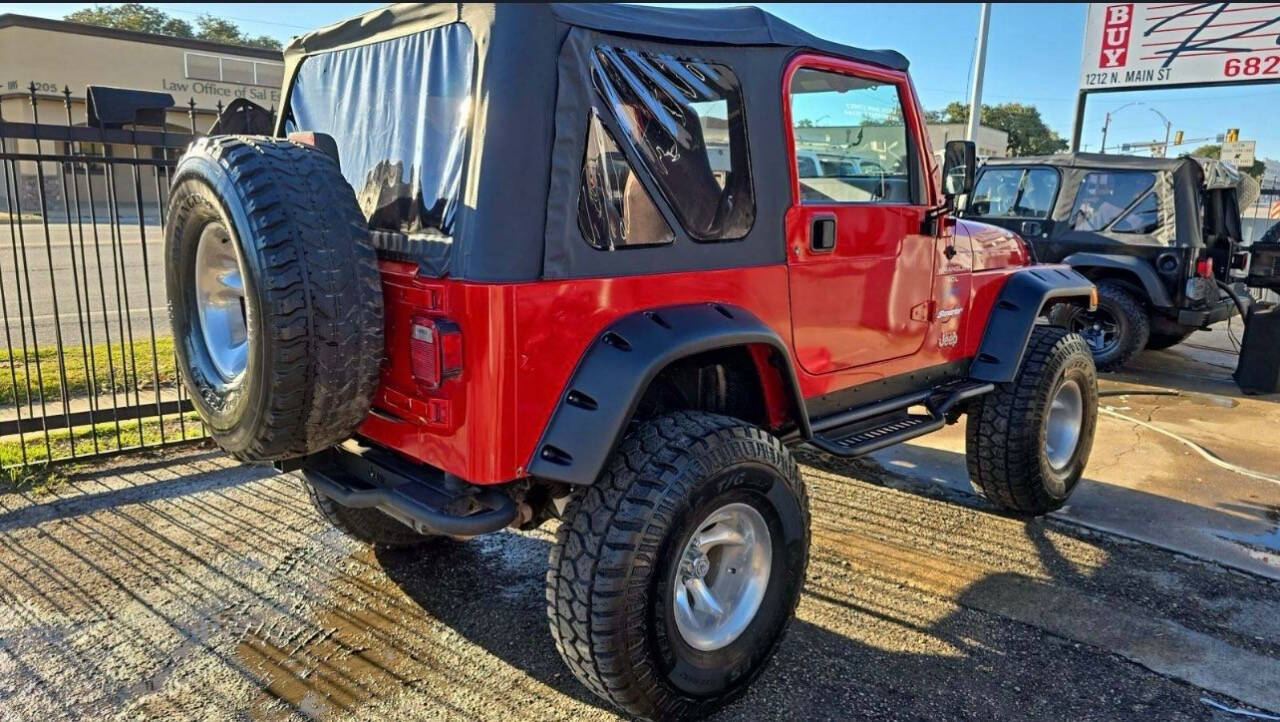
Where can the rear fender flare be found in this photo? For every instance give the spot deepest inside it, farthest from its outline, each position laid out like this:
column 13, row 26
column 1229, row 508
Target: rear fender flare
column 600, row 397
column 1021, row 299
column 1142, row 270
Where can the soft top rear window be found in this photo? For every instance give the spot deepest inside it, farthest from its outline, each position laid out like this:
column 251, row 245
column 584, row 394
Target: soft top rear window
column 398, row 110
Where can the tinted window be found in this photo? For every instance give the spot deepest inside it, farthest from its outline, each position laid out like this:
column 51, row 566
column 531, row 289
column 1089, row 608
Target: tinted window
column 686, row 120
column 237, row 71
column 1104, row 195
column 269, row 74
column 1015, row 192
column 1143, row 218
column 203, row 67
column 856, row 129
column 614, row 209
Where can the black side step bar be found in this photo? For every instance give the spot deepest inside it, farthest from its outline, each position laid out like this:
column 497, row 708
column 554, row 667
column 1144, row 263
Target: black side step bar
column 420, row 497
column 867, row 428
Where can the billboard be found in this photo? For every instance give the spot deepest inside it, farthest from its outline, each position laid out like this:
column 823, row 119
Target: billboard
column 1139, row 45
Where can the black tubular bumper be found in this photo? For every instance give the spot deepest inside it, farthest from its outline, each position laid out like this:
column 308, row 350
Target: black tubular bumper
column 422, row 498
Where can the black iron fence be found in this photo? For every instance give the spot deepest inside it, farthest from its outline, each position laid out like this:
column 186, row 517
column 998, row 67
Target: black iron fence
column 88, row 365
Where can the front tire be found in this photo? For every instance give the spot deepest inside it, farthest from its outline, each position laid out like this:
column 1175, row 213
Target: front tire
column 690, row 506
column 1117, row 330
column 1027, row 442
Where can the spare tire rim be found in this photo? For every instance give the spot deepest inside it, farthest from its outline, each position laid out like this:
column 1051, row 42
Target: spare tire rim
column 722, row 578
column 220, row 301
column 1101, row 331
column 1062, row 430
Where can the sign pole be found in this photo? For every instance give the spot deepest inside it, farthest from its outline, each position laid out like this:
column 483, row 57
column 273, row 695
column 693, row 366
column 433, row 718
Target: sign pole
column 979, row 66
column 1077, row 123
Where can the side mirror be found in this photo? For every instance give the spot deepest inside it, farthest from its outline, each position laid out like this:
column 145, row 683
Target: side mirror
column 959, row 164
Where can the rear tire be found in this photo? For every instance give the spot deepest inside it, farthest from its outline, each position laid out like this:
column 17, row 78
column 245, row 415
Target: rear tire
column 1020, row 449
column 1117, row 330
column 274, row 296
column 635, row 550
column 1160, row 341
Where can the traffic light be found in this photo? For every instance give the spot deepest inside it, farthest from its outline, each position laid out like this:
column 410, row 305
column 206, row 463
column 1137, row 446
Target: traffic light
column 1177, row 138
column 1233, row 135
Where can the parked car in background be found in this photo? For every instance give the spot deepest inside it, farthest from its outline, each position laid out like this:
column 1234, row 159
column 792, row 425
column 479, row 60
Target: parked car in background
column 1160, row 238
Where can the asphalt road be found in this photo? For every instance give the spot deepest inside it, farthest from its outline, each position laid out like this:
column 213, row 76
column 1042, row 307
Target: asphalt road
column 42, row 299
column 192, row 587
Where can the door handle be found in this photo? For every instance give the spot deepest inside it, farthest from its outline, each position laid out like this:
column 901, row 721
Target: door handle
column 1031, row 228
column 822, row 235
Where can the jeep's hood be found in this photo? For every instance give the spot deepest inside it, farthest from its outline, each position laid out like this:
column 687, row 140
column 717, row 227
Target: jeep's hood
column 993, row 246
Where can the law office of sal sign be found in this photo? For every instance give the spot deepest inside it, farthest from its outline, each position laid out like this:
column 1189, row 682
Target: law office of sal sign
column 1167, row 44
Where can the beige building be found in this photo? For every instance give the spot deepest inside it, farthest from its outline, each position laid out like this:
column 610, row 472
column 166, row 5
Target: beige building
column 992, row 143
column 55, row 54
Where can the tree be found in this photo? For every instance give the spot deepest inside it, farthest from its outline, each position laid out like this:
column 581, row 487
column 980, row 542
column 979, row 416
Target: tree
column 133, row 16
column 1028, row 134
column 147, row 19
column 1213, row 150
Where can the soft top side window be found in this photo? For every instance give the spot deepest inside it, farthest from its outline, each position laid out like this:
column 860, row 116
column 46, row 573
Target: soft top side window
column 686, row 120
column 614, row 209
column 1143, row 218
column 1104, row 195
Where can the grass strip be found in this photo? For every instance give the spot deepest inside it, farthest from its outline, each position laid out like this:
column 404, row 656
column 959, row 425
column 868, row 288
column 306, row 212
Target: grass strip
column 110, row 368
column 42, row 470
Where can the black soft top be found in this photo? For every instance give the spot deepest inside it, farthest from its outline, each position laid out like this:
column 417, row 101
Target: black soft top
column 532, row 96
column 720, row 26
column 1101, row 161
column 1181, row 186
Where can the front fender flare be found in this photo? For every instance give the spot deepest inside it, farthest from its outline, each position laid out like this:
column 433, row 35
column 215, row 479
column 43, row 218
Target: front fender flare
column 616, row 369
column 1142, row 270
column 1024, row 294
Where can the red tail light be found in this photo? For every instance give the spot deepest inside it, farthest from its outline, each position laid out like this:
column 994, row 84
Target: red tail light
column 435, row 350
column 1204, row 268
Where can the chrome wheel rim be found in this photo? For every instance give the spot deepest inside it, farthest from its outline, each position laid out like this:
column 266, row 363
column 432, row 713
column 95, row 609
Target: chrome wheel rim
column 220, row 302
column 722, row 578
column 1062, row 430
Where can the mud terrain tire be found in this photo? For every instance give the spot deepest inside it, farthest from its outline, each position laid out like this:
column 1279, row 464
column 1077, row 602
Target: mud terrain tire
column 274, row 296
column 621, row 558
column 1122, row 325
column 1009, row 436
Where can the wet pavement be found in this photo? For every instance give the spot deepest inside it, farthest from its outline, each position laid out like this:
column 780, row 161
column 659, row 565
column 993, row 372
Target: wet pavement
column 191, row 587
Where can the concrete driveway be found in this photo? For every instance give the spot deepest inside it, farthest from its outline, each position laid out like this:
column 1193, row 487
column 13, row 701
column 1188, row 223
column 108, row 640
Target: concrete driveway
column 188, row 586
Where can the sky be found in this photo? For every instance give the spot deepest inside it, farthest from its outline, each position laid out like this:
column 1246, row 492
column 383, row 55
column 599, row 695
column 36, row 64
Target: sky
column 1033, row 57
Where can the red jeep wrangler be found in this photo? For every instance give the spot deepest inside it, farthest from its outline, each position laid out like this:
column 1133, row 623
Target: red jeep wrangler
column 605, row 265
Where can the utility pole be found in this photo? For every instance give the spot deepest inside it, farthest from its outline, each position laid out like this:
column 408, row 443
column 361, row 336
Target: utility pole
column 979, row 67
column 1106, row 122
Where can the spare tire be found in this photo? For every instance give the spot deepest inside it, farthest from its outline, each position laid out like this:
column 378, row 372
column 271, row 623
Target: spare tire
column 274, row 296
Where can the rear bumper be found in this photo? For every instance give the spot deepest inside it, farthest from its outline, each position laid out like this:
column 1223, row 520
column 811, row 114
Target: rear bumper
column 425, row 499
column 1198, row 318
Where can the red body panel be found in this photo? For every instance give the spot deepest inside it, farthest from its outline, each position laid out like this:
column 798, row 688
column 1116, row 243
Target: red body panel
column 902, row 301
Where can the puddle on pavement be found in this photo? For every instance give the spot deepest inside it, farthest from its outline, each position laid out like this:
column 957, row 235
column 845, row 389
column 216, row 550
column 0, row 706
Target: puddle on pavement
column 1264, row 547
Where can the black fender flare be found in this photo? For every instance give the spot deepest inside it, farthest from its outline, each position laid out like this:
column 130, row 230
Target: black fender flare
column 616, row 369
column 1141, row 269
column 1024, row 294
